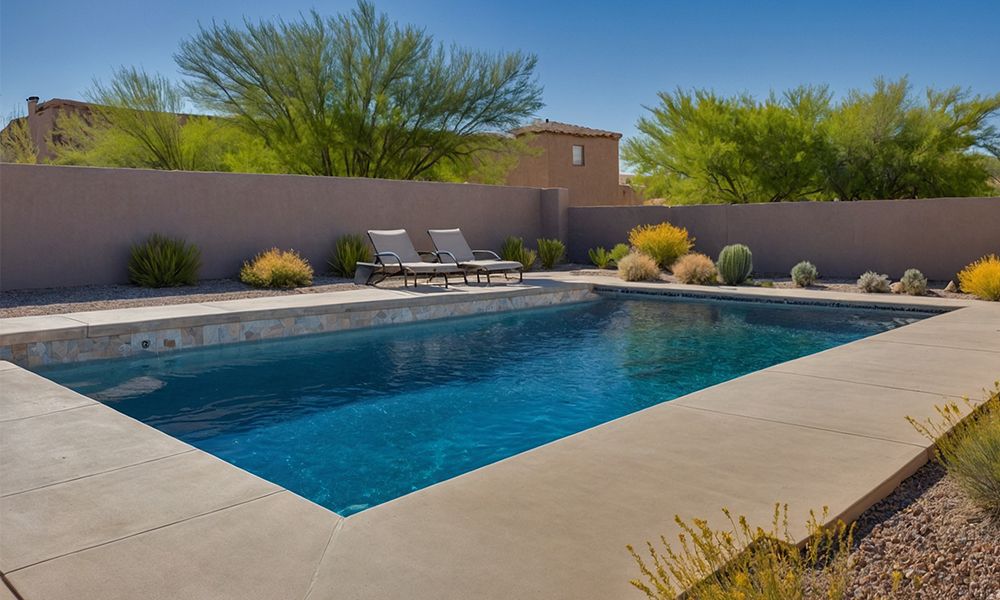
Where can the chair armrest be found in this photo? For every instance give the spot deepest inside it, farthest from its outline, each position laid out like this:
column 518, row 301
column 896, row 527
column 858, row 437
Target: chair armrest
column 488, row 253
column 379, row 255
column 429, row 253
column 441, row 253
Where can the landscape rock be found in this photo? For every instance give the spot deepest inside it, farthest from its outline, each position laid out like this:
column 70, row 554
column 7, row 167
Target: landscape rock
column 896, row 288
column 951, row 287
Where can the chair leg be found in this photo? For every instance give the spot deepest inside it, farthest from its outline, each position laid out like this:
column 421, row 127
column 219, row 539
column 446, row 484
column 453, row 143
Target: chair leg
column 445, row 280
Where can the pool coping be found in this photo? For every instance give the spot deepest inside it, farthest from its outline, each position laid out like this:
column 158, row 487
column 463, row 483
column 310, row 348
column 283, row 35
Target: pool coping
column 550, row 522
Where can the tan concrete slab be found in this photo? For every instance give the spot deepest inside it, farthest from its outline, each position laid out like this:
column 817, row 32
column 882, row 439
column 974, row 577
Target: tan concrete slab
column 854, row 408
column 74, row 443
column 24, row 394
column 25, row 330
column 5, row 365
column 553, row 523
column 148, row 318
column 5, row 593
column 933, row 369
column 972, row 328
column 261, row 550
column 68, row 517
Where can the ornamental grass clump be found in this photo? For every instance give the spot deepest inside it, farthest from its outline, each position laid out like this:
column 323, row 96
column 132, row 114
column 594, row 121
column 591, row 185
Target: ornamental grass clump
column 664, row 243
column 348, row 251
column 874, row 283
column 276, row 268
column 550, row 252
column 749, row 563
column 967, row 442
column 913, row 282
column 695, row 269
column 804, row 274
column 513, row 248
column 619, row 252
column 600, row 257
column 161, row 261
column 638, row 267
column 735, row 264
column 982, row 278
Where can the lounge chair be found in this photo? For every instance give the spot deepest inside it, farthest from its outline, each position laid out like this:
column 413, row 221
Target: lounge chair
column 395, row 255
column 451, row 244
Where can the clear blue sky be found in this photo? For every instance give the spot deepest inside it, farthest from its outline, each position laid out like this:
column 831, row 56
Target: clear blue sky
column 598, row 61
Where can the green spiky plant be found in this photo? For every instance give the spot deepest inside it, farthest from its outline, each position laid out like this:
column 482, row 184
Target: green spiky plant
column 600, row 257
column 348, row 251
column 619, row 252
column 804, row 274
column 162, row 261
column 735, row 264
column 551, row 252
column 513, row 248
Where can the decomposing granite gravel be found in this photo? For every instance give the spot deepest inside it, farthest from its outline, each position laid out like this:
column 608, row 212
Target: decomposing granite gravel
column 937, row 542
column 52, row 301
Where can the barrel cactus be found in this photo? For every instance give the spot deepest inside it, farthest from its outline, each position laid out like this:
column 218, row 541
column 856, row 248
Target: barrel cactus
column 735, row 264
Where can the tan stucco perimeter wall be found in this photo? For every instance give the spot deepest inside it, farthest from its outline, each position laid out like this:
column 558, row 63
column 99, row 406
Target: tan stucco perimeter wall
column 62, row 226
column 938, row 236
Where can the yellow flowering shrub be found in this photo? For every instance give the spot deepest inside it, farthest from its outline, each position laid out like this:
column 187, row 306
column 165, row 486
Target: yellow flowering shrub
column 665, row 243
column 982, row 278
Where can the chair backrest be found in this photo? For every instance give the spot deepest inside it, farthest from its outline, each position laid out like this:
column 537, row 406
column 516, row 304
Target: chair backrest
column 452, row 240
column 394, row 240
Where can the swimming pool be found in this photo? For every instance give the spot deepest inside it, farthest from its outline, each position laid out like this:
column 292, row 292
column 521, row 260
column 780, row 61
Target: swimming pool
column 354, row 419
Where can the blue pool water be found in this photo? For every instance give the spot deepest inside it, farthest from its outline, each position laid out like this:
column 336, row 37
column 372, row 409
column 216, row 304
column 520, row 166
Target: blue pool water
column 353, row 419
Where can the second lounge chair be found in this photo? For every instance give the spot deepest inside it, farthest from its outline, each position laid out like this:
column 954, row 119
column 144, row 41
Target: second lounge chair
column 451, row 244
column 395, row 255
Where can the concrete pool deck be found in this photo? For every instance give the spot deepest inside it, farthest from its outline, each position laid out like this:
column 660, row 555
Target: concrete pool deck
column 94, row 504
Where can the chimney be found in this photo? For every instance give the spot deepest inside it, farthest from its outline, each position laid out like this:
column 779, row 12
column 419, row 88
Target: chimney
column 32, row 105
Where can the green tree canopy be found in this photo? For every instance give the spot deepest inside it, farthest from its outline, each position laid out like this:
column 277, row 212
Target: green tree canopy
column 698, row 147
column 137, row 121
column 356, row 94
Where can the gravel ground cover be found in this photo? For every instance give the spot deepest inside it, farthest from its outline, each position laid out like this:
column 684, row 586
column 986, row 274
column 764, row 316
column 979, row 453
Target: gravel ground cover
column 936, row 541
column 52, row 301
column 935, row 288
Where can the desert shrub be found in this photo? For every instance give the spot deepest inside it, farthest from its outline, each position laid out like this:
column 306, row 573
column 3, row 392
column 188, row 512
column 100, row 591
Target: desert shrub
column 982, row 278
column 638, row 267
column 550, row 252
column 746, row 562
column 513, row 248
column 967, row 442
column 600, row 257
column 664, row 243
column 161, row 261
column 619, row 252
column 276, row 268
column 914, row 283
column 874, row 283
column 348, row 251
column 735, row 264
column 696, row 269
column 804, row 274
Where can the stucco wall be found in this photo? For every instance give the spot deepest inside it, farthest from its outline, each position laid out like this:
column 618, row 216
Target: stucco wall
column 73, row 225
column 844, row 239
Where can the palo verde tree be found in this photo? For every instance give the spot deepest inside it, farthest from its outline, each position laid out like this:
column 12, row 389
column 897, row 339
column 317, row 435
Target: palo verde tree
column 136, row 121
column 698, row 147
column 888, row 144
column 356, row 94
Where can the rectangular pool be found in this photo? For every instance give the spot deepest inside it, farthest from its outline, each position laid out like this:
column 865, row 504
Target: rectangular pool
column 354, row 419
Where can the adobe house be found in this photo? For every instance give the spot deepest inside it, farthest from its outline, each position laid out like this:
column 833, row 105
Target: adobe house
column 42, row 118
column 581, row 159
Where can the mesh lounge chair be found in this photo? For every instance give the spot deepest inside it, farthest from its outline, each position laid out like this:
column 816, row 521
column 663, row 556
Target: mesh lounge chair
column 451, row 244
column 395, row 255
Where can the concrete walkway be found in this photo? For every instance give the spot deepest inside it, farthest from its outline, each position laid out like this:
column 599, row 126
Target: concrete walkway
column 97, row 505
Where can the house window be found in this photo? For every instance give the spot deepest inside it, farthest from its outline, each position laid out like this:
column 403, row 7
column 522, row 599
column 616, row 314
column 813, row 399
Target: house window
column 577, row 156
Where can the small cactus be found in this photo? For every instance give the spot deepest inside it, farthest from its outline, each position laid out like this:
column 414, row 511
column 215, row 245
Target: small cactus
column 874, row 283
column 735, row 264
